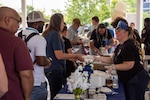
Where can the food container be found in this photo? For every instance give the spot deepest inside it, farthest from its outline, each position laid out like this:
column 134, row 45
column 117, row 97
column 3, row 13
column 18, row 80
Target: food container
column 98, row 79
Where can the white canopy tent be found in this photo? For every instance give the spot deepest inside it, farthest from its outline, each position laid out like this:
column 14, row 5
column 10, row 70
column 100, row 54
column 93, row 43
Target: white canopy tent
column 139, row 14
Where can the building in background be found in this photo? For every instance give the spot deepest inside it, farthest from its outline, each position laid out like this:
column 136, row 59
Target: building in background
column 146, row 6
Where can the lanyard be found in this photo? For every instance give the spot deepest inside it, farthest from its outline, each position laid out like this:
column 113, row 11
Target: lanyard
column 101, row 40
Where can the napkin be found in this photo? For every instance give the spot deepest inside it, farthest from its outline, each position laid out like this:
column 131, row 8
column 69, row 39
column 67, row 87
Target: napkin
column 64, row 96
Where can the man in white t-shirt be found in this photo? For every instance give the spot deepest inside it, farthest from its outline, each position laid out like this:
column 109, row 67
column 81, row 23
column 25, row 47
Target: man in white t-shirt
column 37, row 48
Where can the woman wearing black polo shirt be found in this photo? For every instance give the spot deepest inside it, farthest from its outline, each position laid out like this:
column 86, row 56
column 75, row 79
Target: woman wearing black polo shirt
column 127, row 61
column 99, row 37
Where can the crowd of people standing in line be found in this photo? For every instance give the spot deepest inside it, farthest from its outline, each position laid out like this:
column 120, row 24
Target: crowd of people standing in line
column 25, row 65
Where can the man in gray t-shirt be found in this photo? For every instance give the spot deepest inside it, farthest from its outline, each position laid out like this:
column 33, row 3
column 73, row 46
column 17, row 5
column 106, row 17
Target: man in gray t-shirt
column 73, row 35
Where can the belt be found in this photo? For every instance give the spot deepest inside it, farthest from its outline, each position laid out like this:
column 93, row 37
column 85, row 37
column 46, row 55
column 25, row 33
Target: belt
column 50, row 72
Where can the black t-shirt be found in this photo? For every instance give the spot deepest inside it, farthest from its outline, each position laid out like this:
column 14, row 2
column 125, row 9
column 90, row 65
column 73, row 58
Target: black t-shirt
column 128, row 52
column 69, row 64
column 146, row 34
column 67, row 44
column 136, row 33
column 100, row 40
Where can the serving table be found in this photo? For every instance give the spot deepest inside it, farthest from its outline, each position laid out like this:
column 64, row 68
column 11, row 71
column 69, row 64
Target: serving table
column 99, row 66
column 64, row 94
column 116, row 94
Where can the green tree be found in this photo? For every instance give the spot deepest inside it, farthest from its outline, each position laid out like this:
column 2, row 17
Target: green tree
column 56, row 11
column 44, row 13
column 104, row 12
column 112, row 5
column 131, row 5
column 85, row 10
column 29, row 9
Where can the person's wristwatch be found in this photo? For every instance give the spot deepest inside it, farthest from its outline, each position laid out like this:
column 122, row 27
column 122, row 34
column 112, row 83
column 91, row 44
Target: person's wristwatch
column 50, row 59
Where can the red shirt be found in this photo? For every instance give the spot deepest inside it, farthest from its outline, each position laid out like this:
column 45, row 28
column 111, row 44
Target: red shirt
column 16, row 58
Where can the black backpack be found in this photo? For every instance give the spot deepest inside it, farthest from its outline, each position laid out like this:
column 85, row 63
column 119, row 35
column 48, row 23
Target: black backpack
column 26, row 39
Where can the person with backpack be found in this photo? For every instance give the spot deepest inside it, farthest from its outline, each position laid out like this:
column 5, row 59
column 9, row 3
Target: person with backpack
column 37, row 47
column 99, row 38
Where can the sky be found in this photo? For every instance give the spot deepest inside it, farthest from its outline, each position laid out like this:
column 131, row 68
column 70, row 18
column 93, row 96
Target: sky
column 37, row 4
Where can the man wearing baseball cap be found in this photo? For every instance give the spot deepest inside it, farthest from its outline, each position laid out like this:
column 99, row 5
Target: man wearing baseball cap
column 36, row 20
column 37, row 47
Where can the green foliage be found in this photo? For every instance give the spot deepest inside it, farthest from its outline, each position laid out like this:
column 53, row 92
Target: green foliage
column 131, row 5
column 77, row 91
column 112, row 6
column 104, row 12
column 145, row 15
column 56, row 11
column 29, row 9
column 86, row 9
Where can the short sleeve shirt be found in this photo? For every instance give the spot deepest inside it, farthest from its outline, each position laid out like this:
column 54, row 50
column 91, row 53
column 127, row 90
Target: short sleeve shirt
column 16, row 58
column 146, row 34
column 72, row 34
column 136, row 33
column 54, row 42
column 67, row 44
column 128, row 52
column 100, row 40
column 37, row 46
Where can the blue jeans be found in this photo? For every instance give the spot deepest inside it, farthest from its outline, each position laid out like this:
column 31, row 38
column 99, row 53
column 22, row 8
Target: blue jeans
column 136, row 86
column 39, row 92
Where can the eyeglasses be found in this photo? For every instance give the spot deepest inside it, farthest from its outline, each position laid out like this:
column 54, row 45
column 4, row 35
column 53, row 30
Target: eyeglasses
column 118, row 29
column 18, row 21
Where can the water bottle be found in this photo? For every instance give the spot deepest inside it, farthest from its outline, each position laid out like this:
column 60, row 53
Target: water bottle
column 115, row 80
